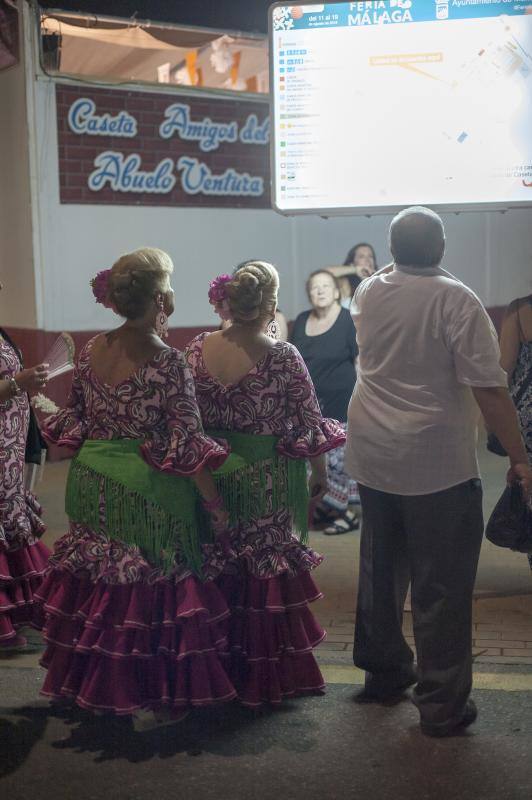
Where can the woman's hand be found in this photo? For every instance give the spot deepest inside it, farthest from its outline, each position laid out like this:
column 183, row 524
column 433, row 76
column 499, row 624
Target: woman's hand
column 521, row 474
column 220, row 520
column 34, row 379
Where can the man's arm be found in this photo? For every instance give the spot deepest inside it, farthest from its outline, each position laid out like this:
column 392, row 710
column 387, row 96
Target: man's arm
column 500, row 416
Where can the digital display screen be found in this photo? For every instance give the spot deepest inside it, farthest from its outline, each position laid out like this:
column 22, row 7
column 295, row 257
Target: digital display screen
column 387, row 103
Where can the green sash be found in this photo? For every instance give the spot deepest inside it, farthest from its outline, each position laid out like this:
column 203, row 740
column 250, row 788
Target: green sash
column 160, row 512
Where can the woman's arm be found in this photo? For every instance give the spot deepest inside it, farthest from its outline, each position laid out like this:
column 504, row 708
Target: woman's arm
column 510, row 339
column 28, row 380
column 341, row 272
column 212, row 500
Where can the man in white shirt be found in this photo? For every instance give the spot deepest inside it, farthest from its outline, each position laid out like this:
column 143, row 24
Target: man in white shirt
column 429, row 359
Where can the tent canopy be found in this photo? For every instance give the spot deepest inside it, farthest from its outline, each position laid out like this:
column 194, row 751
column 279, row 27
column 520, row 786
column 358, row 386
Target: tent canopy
column 121, row 51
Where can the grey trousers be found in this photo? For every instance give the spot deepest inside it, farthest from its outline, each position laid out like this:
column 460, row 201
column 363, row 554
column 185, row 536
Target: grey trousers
column 432, row 541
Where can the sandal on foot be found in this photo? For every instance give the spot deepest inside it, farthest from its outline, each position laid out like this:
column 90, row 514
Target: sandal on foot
column 345, row 523
column 324, row 517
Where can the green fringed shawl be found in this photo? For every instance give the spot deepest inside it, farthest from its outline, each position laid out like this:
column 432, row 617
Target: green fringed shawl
column 159, row 512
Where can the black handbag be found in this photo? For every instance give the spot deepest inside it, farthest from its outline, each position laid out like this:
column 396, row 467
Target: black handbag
column 510, row 524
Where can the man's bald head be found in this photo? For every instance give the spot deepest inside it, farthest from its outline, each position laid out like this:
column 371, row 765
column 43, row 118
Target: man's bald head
column 417, row 237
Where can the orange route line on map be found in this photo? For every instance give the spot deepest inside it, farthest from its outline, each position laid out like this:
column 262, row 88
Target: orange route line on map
column 412, row 68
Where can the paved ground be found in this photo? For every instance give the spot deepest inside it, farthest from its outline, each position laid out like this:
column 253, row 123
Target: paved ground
column 319, row 747
column 313, row 748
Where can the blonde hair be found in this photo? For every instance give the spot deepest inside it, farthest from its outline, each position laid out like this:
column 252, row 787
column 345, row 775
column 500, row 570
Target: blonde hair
column 252, row 292
column 135, row 279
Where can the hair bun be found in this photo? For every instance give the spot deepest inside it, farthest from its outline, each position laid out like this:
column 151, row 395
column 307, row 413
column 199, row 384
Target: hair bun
column 248, row 281
column 252, row 293
column 136, row 277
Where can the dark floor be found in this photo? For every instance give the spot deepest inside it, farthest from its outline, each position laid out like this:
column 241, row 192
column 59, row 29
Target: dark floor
column 318, row 747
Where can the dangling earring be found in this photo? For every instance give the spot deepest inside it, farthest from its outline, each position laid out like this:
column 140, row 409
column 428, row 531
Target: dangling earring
column 161, row 322
column 273, row 329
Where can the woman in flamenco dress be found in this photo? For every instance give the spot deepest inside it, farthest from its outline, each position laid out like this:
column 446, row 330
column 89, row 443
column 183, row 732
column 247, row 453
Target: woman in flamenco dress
column 256, row 393
column 131, row 624
column 23, row 558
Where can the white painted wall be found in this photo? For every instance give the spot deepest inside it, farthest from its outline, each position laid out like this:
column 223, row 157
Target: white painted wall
column 492, row 252
column 17, row 300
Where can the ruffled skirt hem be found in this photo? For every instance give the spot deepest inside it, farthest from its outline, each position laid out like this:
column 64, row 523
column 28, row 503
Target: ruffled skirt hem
column 177, row 643
column 21, row 574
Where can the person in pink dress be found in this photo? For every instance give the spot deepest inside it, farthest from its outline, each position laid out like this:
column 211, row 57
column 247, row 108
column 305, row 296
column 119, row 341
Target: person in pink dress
column 256, row 393
column 23, row 557
column 129, row 622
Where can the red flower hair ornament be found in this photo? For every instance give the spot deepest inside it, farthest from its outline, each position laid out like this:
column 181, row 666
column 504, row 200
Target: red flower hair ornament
column 218, row 296
column 100, row 287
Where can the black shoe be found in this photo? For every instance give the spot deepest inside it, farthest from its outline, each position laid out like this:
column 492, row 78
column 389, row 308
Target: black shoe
column 387, row 695
column 439, row 730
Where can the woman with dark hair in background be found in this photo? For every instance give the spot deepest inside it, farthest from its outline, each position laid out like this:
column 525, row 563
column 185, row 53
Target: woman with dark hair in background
column 326, row 338
column 360, row 262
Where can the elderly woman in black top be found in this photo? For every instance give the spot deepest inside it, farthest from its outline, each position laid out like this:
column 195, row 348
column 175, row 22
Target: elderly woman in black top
column 326, row 338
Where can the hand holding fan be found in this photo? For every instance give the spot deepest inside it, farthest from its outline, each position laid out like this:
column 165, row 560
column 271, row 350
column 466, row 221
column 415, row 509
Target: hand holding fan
column 60, row 357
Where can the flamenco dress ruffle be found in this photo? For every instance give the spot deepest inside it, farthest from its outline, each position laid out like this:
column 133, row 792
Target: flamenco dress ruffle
column 147, row 643
column 268, row 586
column 23, row 561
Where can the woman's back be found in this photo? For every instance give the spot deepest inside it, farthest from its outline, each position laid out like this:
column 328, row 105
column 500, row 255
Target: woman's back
column 275, row 397
column 229, row 355
column 256, row 401
column 119, row 354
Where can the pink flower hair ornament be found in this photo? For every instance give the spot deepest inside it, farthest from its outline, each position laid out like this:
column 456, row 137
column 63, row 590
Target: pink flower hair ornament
column 100, row 287
column 218, row 296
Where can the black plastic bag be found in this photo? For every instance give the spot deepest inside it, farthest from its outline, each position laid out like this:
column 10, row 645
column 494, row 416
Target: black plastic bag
column 510, row 524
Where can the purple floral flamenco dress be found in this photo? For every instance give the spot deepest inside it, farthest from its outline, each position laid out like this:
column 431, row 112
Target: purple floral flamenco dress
column 23, row 558
column 121, row 633
column 266, row 579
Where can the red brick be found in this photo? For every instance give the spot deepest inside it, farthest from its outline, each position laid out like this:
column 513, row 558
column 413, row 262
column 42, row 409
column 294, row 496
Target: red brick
column 515, row 651
column 491, row 634
column 505, row 659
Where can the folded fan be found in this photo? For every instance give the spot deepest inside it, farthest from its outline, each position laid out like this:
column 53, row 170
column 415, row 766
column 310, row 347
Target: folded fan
column 60, row 358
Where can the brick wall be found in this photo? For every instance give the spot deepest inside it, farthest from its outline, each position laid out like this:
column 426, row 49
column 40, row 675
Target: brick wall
column 78, row 151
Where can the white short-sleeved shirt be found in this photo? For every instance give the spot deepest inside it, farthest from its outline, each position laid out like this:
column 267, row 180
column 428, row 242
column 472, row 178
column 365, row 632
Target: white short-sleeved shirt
column 424, row 339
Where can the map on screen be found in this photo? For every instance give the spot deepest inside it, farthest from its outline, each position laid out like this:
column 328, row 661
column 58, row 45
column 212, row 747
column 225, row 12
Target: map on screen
column 387, row 103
